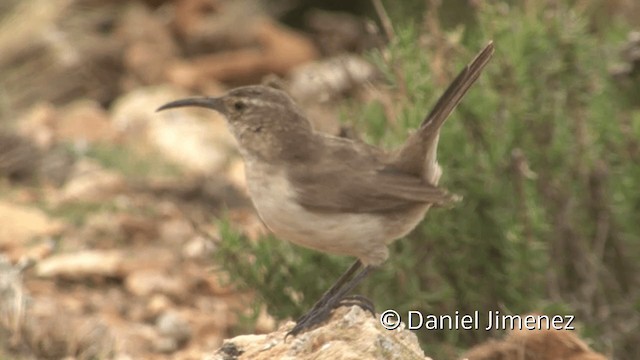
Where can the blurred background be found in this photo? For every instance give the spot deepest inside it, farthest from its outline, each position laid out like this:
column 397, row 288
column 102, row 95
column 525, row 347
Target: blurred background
column 126, row 233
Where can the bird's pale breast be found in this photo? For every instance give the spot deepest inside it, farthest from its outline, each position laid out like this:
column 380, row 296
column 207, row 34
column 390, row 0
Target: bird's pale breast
column 362, row 235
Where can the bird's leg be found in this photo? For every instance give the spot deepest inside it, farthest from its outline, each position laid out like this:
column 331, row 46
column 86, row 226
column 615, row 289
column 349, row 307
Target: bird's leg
column 344, row 278
column 332, row 298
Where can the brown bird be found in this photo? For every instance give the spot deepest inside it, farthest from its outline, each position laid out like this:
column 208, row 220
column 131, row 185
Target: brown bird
column 333, row 194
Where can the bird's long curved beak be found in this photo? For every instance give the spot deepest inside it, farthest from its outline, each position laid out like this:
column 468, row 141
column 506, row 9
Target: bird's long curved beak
column 205, row 102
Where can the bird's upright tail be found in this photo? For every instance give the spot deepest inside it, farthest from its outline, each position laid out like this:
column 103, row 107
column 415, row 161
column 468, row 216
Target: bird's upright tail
column 418, row 154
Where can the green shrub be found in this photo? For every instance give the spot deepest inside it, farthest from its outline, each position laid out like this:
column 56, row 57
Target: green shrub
column 544, row 151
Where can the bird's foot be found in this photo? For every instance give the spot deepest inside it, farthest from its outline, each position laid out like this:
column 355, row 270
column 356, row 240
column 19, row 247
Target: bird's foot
column 319, row 314
column 308, row 321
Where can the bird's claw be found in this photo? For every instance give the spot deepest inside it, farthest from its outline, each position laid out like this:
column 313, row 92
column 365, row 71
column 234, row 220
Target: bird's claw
column 319, row 314
column 309, row 320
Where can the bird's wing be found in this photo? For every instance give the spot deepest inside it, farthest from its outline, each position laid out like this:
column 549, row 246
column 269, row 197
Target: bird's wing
column 359, row 182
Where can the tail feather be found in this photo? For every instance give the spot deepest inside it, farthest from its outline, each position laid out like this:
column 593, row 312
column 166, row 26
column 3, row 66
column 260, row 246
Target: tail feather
column 458, row 88
column 417, row 156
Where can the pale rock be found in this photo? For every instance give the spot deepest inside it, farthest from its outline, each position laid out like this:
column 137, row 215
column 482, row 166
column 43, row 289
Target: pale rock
column 89, row 182
column 196, row 139
column 82, row 264
column 173, row 332
column 158, row 304
column 174, row 325
column 351, row 333
column 19, row 224
column 198, row 247
column 319, row 85
column 32, row 252
column 327, row 79
column 265, row 323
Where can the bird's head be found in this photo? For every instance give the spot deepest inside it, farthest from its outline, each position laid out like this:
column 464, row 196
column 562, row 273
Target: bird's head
column 265, row 121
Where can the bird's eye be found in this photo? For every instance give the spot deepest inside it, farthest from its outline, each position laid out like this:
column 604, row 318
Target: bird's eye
column 239, row 105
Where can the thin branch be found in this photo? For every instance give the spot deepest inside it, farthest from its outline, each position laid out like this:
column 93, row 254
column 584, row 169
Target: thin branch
column 387, row 26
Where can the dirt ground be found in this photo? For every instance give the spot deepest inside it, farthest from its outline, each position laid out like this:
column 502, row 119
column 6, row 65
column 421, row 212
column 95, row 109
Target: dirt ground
column 108, row 210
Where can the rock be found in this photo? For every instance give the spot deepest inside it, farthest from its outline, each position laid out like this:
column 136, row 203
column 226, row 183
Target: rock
column 31, row 252
column 117, row 264
column 20, row 224
column 83, row 122
column 175, row 326
column 89, row 182
column 351, row 333
column 198, row 247
column 328, row 79
column 320, row 85
column 82, row 264
column 539, row 344
column 194, row 139
column 265, row 323
column 158, row 304
column 133, row 112
column 273, row 48
column 152, row 281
